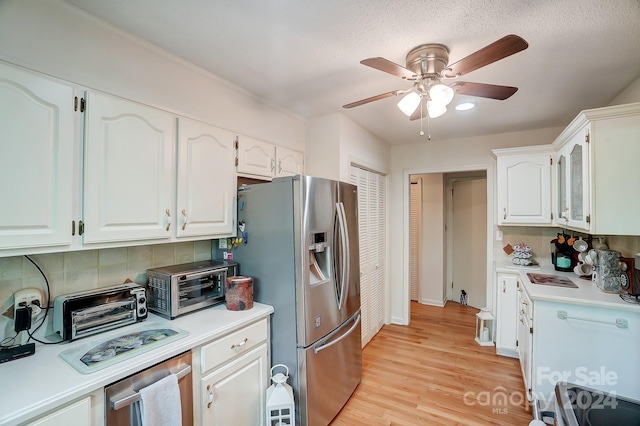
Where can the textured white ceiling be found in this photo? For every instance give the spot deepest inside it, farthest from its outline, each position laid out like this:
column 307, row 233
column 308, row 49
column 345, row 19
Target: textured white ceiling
column 303, row 55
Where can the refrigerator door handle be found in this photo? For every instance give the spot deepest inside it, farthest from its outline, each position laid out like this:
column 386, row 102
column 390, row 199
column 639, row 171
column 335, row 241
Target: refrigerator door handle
column 324, row 346
column 344, row 255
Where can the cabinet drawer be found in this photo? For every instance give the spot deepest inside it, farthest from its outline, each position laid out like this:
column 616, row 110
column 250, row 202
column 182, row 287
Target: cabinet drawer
column 227, row 347
column 525, row 301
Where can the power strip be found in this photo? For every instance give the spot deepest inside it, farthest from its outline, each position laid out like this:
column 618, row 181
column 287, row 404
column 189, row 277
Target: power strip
column 15, row 352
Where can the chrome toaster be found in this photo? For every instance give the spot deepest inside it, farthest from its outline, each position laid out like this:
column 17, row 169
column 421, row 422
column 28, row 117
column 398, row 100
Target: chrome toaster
column 90, row 312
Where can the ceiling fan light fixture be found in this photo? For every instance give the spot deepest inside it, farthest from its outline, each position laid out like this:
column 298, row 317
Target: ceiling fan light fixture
column 441, row 93
column 409, row 103
column 465, row 106
column 435, row 109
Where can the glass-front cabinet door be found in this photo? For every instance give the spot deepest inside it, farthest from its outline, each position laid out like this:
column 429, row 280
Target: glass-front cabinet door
column 572, row 168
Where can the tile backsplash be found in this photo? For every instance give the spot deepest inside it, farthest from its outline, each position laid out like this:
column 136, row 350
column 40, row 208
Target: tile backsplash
column 84, row 270
column 539, row 239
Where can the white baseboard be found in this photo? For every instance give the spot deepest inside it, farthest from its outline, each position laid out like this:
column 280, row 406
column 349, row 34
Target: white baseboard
column 433, row 302
column 507, row 352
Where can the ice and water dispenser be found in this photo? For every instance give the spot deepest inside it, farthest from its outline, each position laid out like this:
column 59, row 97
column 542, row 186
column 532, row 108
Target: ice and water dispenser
column 319, row 258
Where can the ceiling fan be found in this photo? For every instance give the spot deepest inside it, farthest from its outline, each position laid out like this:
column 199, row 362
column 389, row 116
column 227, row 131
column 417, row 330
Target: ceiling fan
column 428, row 66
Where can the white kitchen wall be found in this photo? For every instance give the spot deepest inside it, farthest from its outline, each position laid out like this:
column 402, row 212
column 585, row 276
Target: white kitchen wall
column 334, row 142
column 55, row 38
column 86, row 270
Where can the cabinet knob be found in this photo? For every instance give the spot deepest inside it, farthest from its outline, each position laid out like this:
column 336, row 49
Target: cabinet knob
column 504, row 287
column 280, row 166
column 273, row 164
column 210, row 400
column 505, row 214
column 168, row 213
column 184, row 219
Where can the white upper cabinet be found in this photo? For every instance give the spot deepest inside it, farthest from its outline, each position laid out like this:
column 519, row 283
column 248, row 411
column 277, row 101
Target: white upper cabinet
column 37, row 164
column 289, row 162
column 572, row 182
column 128, row 171
column 206, row 180
column 524, row 185
column 261, row 159
column 600, row 150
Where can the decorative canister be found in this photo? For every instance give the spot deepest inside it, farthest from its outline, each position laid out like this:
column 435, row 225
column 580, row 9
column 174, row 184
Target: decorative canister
column 239, row 293
column 606, row 270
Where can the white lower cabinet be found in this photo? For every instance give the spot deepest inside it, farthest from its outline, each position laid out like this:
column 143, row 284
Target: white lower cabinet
column 507, row 314
column 235, row 372
column 586, row 345
column 77, row 413
column 525, row 337
column 235, row 394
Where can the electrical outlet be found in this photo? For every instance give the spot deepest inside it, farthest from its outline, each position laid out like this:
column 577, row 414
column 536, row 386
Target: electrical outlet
column 28, row 297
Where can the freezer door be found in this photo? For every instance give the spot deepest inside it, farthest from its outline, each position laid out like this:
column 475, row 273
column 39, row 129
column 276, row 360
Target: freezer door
column 329, row 372
column 350, row 254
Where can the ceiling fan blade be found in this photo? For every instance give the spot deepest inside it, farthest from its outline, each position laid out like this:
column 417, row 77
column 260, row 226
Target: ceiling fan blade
column 387, row 66
column 371, row 99
column 483, row 90
column 497, row 50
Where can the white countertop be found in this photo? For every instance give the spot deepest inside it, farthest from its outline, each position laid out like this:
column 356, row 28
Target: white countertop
column 36, row 384
column 586, row 294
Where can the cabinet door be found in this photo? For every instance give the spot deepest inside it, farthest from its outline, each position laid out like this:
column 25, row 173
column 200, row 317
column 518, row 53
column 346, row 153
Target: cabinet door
column 256, row 157
column 524, row 333
column 573, row 182
column 507, row 314
column 524, row 189
column 128, row 173
column 289, row 162
column 206, row 180
column 37, row 161
column 234, row 395
column 78, row 413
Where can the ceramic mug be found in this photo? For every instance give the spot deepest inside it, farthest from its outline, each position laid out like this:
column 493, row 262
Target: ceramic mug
column 583, row 269
column 580, row 245
column 582, row 257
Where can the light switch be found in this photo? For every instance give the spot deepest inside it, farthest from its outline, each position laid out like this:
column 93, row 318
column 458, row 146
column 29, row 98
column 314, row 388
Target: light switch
column 498, row 235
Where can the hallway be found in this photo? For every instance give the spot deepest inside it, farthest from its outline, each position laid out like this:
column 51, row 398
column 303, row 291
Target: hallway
column 434, row 373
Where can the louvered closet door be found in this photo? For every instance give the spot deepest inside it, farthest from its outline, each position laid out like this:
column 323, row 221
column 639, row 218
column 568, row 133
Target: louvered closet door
column 371, row 217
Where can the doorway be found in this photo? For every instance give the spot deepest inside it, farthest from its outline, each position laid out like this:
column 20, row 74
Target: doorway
column 451, row 232
column 468, row 240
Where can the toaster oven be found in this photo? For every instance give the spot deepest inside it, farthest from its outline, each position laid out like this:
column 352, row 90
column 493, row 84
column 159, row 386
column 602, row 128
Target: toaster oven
column 180, row 289
column 90, row 312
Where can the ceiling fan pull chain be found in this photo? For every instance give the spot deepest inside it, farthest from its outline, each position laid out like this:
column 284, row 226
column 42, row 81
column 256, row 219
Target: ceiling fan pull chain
column 421, row 117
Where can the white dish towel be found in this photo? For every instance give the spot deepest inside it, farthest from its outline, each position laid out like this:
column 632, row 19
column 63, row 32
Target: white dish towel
column 159, row 404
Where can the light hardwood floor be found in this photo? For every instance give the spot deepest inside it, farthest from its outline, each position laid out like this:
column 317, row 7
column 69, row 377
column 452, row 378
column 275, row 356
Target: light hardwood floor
column 433, row 372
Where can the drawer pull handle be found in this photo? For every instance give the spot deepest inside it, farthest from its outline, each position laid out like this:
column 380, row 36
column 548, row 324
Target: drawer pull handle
column 210, row 396
column 238, row 346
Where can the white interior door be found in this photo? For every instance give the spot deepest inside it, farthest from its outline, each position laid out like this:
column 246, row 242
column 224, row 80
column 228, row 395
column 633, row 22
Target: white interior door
column 469, row 229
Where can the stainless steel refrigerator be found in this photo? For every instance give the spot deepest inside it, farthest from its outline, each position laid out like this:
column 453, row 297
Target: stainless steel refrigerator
column 302, row 251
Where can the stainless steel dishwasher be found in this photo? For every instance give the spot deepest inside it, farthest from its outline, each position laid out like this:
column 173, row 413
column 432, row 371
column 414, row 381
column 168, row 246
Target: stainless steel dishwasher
column 120, row 395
